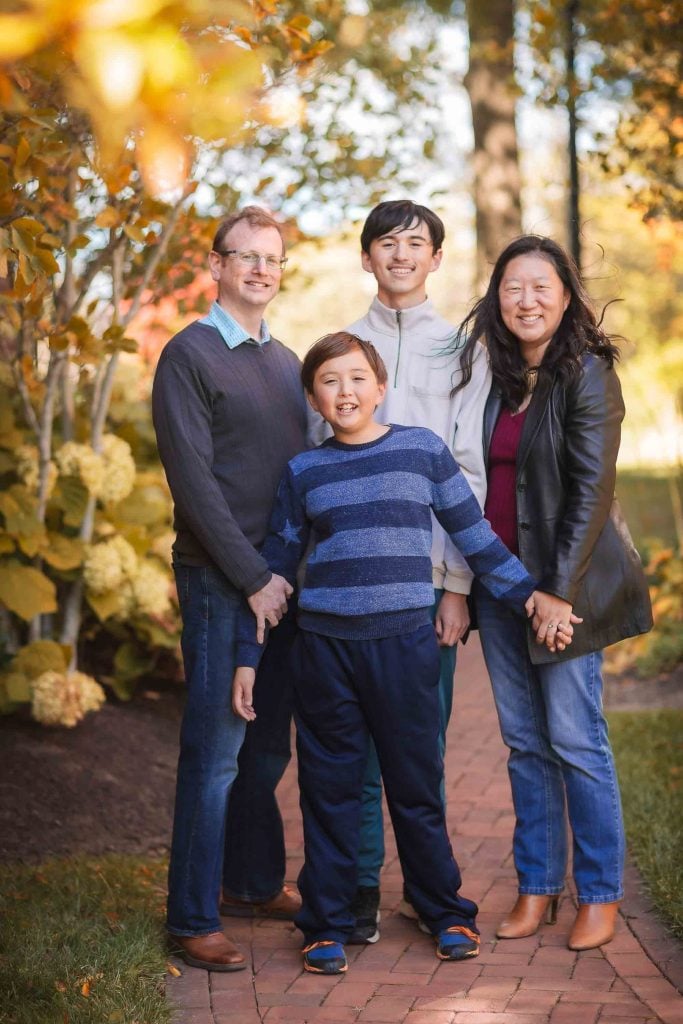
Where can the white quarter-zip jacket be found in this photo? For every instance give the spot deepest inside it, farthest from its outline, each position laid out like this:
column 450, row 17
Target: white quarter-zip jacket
column 414, row 345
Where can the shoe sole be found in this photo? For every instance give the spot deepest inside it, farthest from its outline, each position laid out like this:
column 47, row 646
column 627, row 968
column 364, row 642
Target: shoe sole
column 321, row 970
column 207, row 965
column 363, row 941
column 454, row 959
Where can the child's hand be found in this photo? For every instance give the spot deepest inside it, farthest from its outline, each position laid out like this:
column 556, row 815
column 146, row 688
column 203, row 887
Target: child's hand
column 243, row 693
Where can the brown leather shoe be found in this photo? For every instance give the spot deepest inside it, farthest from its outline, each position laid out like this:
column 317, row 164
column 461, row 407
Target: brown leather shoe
column 594, row 925
column 526, row 916
column 214, row 952
column 282, row 907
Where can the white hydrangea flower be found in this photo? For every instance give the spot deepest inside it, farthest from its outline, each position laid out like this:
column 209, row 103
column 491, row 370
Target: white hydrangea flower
column 119, row 469
column 127, row 556
column 108, row 565
column 64, row 698
column 150, row 589
column 74, row 459
column 126, row 598
column 28, row 468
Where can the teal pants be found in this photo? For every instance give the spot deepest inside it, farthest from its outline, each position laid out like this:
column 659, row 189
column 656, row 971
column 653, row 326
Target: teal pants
column 371, row 854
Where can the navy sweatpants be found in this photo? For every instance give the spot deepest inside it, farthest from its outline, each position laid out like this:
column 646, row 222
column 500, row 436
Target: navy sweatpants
column 346, row 691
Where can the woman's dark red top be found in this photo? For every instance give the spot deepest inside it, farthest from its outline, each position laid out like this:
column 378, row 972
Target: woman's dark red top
column 501, row 498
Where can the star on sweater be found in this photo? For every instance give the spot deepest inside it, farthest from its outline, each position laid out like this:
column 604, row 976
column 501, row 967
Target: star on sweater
column 290, row 533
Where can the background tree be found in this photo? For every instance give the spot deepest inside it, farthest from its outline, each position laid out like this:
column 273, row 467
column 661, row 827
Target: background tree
column 492, row 90
column 626, row 68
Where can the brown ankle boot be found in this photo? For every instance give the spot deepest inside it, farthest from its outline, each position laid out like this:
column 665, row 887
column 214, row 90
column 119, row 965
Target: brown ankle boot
column 594, row 925
column 214, row 952
column 526, row 916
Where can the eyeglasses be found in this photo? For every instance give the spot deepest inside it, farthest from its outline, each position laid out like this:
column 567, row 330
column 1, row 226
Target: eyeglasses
column 252, row 259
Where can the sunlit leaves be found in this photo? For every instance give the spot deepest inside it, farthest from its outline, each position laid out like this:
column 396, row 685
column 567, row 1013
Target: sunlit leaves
column 26, row 591
column 628, row 54
column 163, row 71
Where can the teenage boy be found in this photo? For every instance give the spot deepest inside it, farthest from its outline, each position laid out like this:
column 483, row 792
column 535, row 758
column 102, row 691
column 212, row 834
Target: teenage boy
column 365, row 660
column 401, row 245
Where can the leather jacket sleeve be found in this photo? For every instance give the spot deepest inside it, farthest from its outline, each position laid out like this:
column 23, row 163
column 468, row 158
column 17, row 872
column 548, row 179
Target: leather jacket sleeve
column 592, row 429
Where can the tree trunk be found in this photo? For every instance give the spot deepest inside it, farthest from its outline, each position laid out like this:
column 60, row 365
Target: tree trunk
column 574, row 222
column 491, row 87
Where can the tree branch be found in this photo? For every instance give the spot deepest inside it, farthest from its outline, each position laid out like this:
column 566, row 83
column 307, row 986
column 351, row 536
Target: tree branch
column 155, row 259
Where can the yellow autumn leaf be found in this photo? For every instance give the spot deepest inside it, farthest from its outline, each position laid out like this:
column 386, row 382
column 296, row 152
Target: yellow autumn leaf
column 104, row 605
column 20, row 34
column 172, row 969
column 62, row 552
column 26, row 591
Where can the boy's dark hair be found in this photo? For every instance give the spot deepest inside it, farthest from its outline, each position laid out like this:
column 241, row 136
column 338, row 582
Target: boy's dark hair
column 400, row 213
column 331, row 346
column 255, row 216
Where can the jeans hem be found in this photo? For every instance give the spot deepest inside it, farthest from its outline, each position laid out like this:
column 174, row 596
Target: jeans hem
column 191, row 935
column 327, row 936
column 610, row 897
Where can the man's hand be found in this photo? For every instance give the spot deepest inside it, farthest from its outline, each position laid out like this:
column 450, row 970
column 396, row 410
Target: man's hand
column 452, row 618
column 269, row 604
column 243, row 693
column 552, row 619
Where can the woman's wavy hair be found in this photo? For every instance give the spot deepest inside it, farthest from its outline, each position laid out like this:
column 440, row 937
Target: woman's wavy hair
column 579, row 330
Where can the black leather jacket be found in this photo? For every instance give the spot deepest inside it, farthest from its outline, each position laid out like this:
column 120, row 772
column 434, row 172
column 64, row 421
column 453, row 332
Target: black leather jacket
column 572, row 535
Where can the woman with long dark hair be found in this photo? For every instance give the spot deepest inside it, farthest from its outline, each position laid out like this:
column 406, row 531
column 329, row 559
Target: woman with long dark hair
column 551, row 437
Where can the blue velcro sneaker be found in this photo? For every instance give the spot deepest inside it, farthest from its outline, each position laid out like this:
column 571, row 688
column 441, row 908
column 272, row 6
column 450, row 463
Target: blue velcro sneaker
column 457, row 943
column 325, row 957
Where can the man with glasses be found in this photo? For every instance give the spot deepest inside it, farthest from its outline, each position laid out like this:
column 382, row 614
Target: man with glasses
column 229, row 412
column 401, row 246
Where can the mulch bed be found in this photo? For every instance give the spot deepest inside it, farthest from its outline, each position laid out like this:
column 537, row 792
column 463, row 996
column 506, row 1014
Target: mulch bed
column 107, row 786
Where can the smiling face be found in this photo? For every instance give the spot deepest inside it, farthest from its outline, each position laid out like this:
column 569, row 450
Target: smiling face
column 532, row 303
column 245, row 291
column 346, row 393
column 401, row 261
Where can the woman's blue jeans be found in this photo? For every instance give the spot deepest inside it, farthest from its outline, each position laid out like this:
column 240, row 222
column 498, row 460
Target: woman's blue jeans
column 551, row 718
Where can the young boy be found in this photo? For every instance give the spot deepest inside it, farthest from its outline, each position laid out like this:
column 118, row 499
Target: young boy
column 366, row 657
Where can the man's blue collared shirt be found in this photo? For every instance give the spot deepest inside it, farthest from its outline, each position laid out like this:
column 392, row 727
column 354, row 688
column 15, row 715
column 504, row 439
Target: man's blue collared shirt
column 228, row 328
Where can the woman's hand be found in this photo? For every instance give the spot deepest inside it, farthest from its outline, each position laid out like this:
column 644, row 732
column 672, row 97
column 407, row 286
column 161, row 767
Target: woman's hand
column 243, row 693
column 552, row 620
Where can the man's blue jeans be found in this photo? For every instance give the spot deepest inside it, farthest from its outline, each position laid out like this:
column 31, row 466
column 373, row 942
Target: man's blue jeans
column 371, row 852
column 210, row 740
column 551, row 719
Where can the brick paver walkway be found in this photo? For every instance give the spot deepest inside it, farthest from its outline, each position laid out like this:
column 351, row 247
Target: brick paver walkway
column 523, row 981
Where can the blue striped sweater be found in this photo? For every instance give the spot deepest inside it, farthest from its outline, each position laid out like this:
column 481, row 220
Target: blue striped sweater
column 367, row 511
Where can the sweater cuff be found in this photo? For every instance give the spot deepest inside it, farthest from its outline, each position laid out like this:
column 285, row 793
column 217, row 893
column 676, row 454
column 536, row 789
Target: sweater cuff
column 457, row 582
column 258, row 584
column 248, row 655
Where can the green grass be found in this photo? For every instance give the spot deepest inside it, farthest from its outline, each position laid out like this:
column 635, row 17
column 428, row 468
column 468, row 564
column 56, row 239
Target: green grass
column 82, row 942
column 646, row 503
column 648, row 747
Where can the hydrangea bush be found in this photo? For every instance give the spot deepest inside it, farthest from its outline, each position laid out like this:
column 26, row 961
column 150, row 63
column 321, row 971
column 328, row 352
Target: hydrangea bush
column 128, row 620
